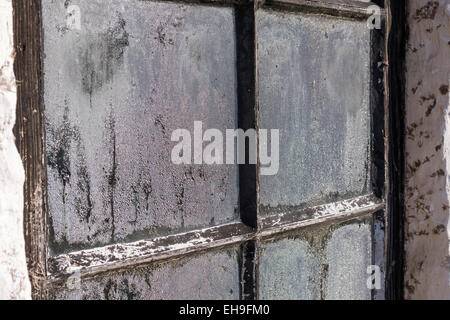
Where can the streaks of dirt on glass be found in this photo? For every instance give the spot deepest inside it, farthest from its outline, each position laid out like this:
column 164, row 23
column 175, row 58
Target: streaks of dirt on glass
column 114, row 91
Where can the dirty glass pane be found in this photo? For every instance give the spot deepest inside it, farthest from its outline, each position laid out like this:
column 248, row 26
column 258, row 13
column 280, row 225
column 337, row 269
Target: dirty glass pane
column 115, row 90
column 323, row 262
column 288, row 269
column 212, row 275
column 314, row 75
column 348, row 253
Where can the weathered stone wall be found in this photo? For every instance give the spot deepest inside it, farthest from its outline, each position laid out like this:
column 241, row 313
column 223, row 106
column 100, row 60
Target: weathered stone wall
column 14, row 283
column 428, row 150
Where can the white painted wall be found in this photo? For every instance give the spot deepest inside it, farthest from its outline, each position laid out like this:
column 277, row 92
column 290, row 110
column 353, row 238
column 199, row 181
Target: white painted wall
column 14, row 282
column 428, row 150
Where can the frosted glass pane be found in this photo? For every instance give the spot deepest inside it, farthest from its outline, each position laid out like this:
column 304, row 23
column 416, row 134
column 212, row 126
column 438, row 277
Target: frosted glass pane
column 114, row 92
column 314, row 75
column 213, row 275
column 348, row 254
column 321, row 262
column 288, row 269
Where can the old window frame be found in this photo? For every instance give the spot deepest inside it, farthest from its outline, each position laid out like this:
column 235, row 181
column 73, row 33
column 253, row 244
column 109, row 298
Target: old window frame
column 46, row 272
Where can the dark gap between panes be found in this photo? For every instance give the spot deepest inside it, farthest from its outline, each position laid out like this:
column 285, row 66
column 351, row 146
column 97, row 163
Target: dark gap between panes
column 245, row 56
column 246, row 91
column 247, row 269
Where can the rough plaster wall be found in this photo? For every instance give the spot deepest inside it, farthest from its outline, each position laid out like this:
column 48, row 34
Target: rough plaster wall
column 14, row 283
column 428, row 150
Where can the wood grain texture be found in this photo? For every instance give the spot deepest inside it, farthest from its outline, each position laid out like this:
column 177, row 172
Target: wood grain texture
column 30, row 137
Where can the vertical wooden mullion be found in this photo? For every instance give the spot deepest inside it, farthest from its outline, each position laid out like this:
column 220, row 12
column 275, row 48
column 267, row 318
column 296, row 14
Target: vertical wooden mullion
column 246, row 51
column 248, row 271
column 379, row 140
column 395, row 100
column 29, row 133
column 246, row 96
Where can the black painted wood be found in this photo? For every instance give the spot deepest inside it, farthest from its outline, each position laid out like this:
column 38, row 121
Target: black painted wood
column 246, row 78
column 248, row 266
column 396, row 42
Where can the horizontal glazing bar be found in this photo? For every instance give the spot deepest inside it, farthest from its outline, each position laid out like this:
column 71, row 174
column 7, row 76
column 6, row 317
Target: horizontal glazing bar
column 345, row 8
column 119, row 256
column 355, row 207
column 90, row 262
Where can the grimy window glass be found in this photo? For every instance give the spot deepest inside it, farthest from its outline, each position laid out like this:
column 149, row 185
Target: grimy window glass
column 314, row 85
column 114, row 92
column 212, row 275
column 325, row 262
column 119, row 220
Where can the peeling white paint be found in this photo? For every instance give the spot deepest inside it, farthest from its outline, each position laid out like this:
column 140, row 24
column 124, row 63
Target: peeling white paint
column 118, row 256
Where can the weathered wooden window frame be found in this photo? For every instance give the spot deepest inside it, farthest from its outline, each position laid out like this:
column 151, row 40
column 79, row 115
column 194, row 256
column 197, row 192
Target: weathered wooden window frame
column 388, row 148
